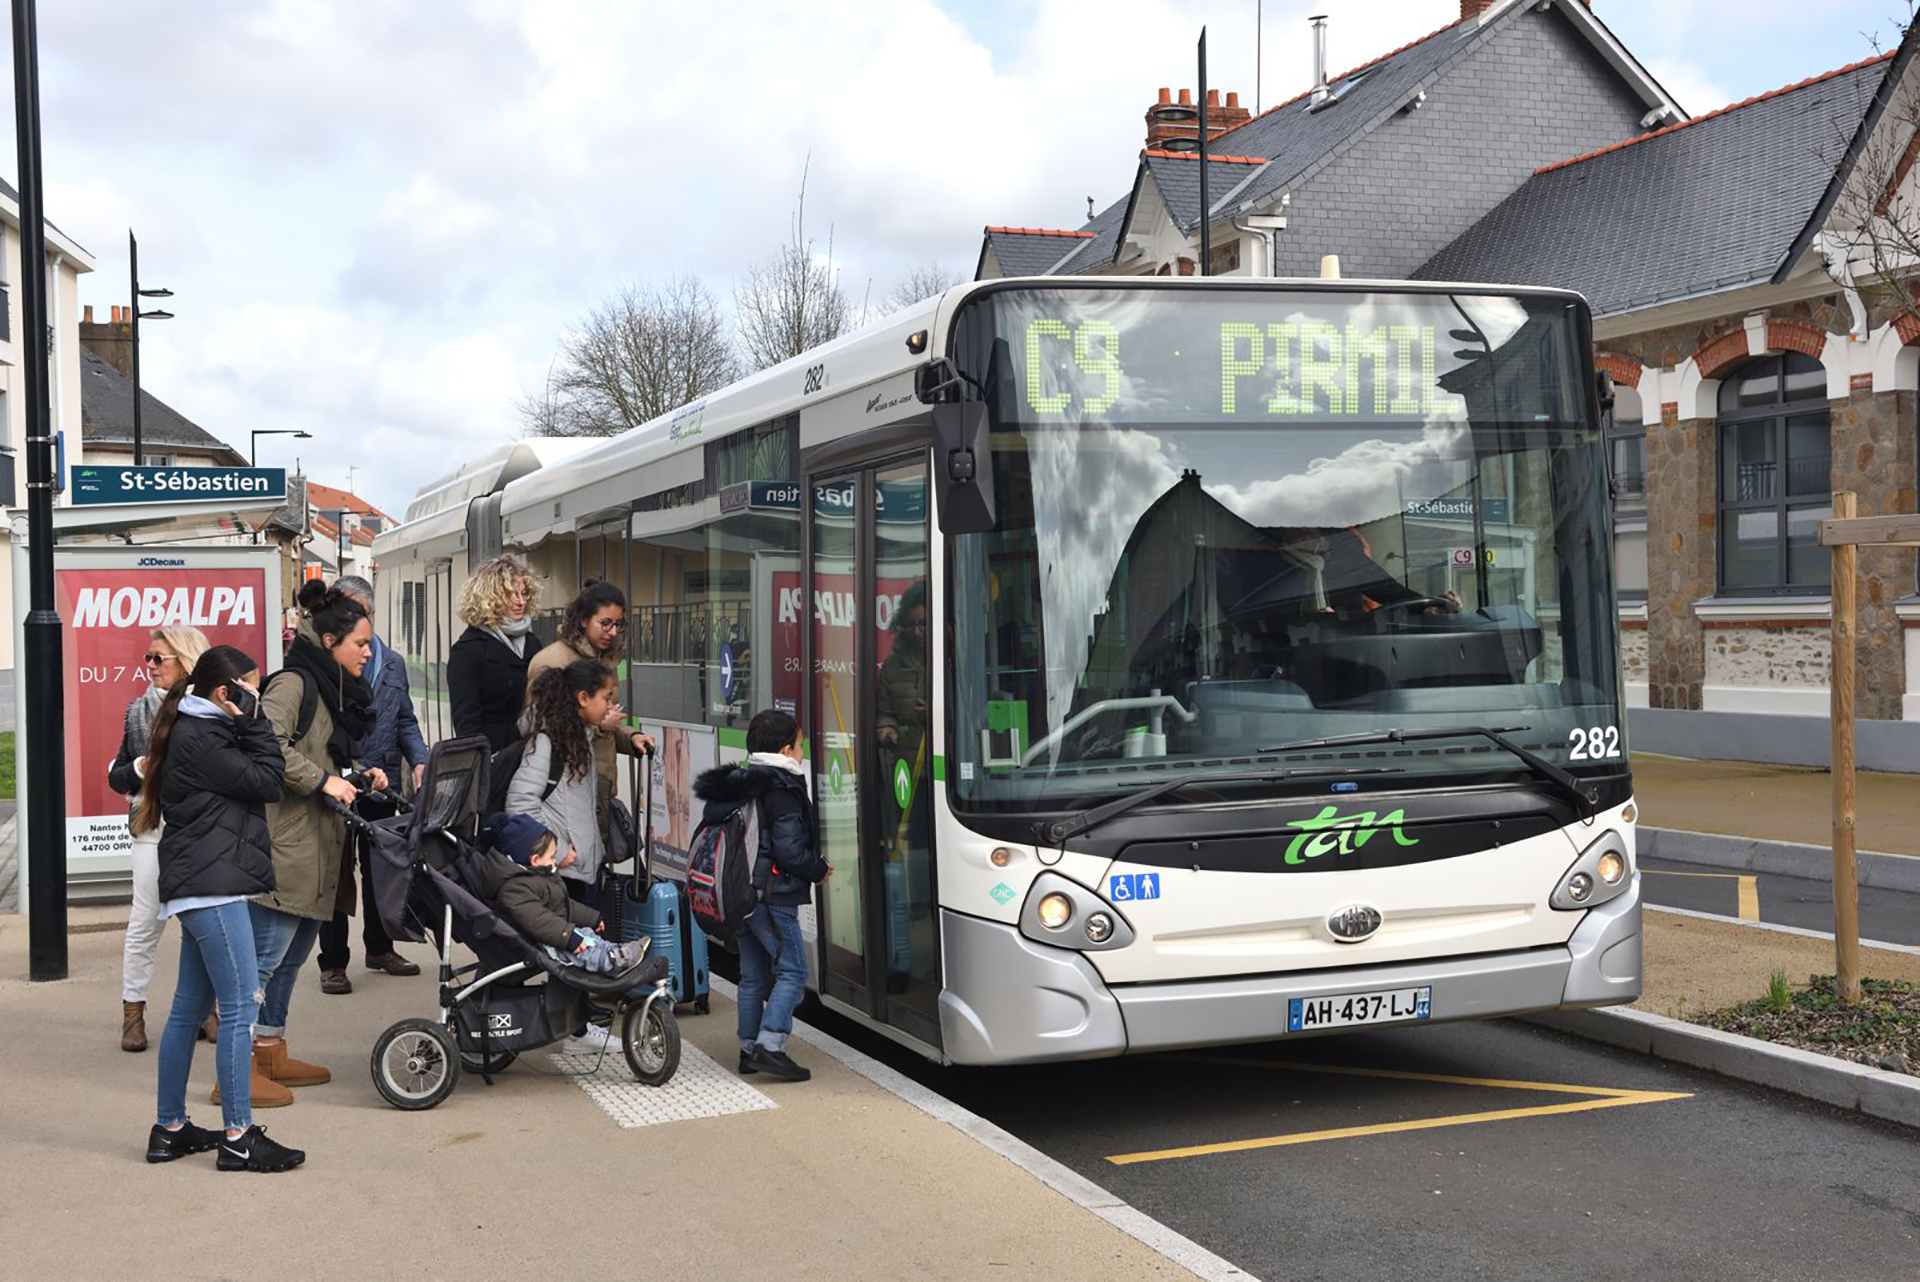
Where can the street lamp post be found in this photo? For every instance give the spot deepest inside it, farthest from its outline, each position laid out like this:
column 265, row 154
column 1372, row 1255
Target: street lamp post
column 253, row 444
column 133, row 275
column 46, row 792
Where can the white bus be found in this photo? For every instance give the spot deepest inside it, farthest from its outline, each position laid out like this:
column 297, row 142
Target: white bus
column 1183, row 662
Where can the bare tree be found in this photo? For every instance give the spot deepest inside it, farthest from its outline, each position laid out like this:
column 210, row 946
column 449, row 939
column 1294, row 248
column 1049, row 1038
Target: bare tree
column 791, row 302
column 923, row 282
column 644, row 352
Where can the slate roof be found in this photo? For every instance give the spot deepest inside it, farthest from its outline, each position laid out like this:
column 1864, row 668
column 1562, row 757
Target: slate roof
column 106, row 416
column 1293, row 138
column 1030, row 251
column 1097, row 252
column 1709, row 204
column 1177, row 175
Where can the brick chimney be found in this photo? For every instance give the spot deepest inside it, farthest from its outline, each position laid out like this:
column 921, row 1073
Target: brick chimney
column 112, row 342
column 1175, row 126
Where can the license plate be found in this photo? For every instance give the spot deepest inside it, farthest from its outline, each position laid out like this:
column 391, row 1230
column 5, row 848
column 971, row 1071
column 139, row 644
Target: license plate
column 1304, row 1014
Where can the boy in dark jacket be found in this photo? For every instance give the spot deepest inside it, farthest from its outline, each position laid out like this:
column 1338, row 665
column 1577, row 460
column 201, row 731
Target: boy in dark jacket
column 525, row 886
column 773, row 960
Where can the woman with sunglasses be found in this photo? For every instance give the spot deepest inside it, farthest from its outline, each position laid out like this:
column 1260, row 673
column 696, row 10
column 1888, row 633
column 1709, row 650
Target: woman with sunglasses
column 170, row 656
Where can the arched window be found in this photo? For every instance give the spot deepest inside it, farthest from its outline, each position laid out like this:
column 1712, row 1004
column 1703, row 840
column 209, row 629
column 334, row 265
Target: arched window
column 1776, row 476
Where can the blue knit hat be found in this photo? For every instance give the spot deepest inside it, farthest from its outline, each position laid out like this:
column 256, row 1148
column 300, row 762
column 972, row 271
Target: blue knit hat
column 518, row 836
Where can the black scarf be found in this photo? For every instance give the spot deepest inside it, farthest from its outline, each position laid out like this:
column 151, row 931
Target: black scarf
column 349, row 699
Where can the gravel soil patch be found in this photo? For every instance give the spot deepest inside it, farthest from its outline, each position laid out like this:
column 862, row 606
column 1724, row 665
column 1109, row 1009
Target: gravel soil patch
column 1882, row 1029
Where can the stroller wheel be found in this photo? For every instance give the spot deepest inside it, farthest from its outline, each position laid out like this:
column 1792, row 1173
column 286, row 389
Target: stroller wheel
column 415, row 1065
column 651, row 1040
column 487, row 1065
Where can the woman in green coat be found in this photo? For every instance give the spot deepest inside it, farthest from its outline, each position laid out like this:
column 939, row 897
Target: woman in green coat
column 322, row 684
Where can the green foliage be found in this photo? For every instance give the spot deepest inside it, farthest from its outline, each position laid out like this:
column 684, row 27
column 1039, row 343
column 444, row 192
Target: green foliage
column 6, row 765
column 1779, row 992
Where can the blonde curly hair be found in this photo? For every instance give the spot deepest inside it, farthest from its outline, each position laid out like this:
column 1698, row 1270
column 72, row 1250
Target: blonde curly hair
column 484, row 596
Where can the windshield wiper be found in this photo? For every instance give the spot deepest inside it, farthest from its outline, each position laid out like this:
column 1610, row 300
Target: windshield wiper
column 1061, row 829
column 1585, row 795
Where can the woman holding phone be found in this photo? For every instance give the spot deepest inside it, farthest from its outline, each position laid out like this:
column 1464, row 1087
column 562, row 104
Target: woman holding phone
column 212, row 769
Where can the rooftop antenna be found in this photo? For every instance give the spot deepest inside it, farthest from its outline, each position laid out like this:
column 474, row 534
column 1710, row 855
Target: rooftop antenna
column 1089, row 209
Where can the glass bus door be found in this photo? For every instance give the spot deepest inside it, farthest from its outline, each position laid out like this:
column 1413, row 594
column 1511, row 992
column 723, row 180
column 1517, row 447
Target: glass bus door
column 871, row 741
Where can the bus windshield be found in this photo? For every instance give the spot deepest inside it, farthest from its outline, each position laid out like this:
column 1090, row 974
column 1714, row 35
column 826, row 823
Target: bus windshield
column 1231, row 520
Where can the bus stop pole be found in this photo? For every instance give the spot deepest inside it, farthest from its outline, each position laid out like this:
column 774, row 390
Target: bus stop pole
column 45, row 844
column 1846, row 886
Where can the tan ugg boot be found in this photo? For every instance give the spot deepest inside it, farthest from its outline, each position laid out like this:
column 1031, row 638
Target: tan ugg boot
column 133, row 1026
column 262, row 1090
column 270, row 1057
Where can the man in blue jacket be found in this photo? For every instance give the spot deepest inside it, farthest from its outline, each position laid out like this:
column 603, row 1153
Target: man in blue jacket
column 773, row 959
column 394, row 739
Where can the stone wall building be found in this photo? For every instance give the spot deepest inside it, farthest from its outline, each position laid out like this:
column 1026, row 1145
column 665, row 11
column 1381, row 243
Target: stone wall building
column 1761, row 366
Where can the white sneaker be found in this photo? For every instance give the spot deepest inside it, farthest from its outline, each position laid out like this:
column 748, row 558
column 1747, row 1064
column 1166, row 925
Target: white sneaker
column 591, row 1042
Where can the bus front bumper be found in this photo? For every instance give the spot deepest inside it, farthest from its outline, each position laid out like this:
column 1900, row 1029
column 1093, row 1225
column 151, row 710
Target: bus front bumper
column 1009, row 1000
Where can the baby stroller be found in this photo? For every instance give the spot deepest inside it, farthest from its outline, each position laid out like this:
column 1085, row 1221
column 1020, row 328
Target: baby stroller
column 515, row 998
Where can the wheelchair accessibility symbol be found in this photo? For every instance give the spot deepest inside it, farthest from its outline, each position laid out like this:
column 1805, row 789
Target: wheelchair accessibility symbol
column 1124, row 886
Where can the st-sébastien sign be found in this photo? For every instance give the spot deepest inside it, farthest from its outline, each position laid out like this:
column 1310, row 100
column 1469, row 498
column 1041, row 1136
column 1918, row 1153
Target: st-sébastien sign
column 97, row 486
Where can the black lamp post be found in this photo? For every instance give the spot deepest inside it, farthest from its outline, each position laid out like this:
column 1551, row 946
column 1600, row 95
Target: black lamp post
column 46, row 793
column 133, row 274
column 253, row 445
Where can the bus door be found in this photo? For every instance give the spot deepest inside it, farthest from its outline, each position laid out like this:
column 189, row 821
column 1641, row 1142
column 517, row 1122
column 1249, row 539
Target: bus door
column 869, row 729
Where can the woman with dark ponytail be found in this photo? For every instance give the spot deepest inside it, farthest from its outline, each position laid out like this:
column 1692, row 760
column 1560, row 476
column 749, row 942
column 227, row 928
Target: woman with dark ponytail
column 212, row 768
column 318, row 705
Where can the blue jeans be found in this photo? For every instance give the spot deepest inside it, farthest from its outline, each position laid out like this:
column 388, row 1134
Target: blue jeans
column 773, row 976
column 281, row 944
column 216, row 961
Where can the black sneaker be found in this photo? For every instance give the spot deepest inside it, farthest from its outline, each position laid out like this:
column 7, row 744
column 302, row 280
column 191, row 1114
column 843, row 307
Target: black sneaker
column 253, row 1151
column 747, row 1067
column 778, row 1064
column 164, row 1145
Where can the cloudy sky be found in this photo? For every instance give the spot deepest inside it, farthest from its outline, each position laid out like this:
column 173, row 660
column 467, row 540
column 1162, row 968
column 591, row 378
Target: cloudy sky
column 379, row 217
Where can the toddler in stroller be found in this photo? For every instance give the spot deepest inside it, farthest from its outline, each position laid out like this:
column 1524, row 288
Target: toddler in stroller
column 521, row 992
column 521, row 879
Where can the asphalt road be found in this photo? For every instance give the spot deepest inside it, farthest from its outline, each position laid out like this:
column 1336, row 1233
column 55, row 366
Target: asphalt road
column 1889, row 916
column 1722, row 1181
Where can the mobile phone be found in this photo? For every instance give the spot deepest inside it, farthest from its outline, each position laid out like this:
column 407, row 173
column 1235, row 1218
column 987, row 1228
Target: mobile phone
column 245, row 700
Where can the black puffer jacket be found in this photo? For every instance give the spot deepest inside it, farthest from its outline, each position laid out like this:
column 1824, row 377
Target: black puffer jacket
column 789, row 862
column 219, row 775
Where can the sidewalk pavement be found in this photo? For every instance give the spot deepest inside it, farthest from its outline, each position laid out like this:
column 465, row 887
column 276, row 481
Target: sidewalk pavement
column 837, row 1179
column 1774, row 803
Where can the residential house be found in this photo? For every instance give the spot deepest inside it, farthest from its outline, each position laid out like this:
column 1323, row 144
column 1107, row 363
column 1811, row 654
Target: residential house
column 1764, row 345
column 344, row 526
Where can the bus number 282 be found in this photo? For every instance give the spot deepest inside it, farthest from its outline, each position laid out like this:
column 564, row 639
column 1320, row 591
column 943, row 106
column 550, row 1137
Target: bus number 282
column 1595, row 743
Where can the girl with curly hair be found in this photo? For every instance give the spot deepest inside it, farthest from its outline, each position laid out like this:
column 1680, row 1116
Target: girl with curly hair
column 594, row 627
column 487, row 667
column 556, row 782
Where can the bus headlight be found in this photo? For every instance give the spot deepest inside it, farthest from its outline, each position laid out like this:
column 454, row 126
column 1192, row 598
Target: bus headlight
column 1599, row 874
column 1055, row 904
column 1056, row 910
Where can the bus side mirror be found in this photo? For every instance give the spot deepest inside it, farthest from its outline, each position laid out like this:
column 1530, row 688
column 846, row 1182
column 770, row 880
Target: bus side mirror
column 963, row 467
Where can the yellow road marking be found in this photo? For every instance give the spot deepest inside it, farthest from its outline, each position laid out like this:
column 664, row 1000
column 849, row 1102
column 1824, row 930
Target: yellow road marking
column 1605, row 1097
column 1749, row 888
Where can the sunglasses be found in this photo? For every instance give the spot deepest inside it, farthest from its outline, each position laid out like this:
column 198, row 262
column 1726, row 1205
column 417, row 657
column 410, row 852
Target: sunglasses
column 155, row 660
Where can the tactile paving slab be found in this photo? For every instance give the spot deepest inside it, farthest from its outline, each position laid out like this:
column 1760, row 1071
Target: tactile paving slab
column 701, row 1087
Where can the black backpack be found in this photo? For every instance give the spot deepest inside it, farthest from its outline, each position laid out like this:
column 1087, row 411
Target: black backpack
column 502, row 766
column 309, row 701
column 720, row 893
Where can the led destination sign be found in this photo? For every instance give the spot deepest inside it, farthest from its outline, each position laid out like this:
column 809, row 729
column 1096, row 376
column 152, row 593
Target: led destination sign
column 1170, row 356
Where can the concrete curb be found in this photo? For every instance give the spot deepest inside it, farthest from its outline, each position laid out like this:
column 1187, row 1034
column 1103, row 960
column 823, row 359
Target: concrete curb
column 1780, row 858
column 1858, row 1088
